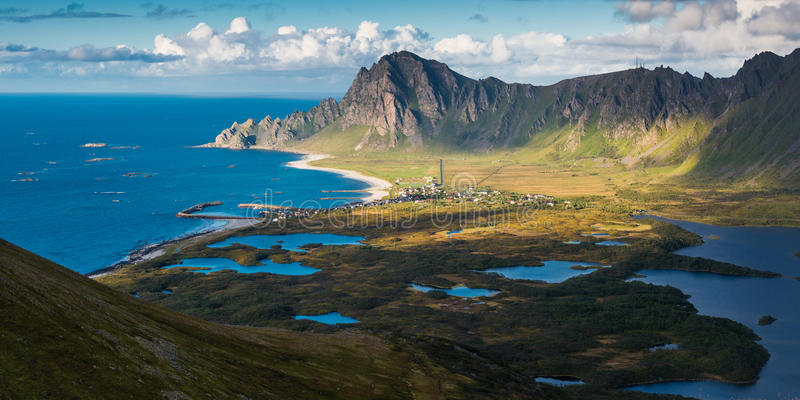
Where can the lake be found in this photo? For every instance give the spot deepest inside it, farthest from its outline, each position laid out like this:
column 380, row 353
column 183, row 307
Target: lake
column 209, row 265
column 744, row 299
column 291, row 242
column 458, row 291
column 329, row 319
column 553, row 271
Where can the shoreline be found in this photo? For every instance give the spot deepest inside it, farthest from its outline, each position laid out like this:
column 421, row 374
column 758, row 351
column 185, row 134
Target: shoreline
column 377, row 190
column 377, row 187
column 157, row 249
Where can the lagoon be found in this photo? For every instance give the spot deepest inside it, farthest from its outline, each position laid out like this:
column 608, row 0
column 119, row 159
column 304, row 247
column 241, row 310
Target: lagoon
column 553, row 271
column 330, row 318
column 611, row 243
column 744, row 299
column 458, row 291
column 208, row 265
column 292, row 242
column 558, row 382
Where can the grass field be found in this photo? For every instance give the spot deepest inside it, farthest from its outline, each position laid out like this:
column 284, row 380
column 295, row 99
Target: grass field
column 661, row 190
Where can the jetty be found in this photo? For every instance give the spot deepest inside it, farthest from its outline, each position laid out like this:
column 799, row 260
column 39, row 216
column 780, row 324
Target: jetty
column 190, row 212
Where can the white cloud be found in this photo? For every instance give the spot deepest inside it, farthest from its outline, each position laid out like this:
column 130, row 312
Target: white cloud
column 238, row 25
column 645, row 11
column 689, row 17
column 712, row 35
column 200, row 32
column 287, row 30
column 783, row 19
column 461, row 44
column 165, row 45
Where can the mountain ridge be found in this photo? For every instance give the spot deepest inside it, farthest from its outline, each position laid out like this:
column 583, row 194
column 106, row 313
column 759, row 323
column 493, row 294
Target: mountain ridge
column 639, row 117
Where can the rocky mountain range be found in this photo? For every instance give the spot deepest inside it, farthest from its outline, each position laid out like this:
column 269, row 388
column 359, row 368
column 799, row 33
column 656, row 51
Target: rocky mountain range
column 741, row 126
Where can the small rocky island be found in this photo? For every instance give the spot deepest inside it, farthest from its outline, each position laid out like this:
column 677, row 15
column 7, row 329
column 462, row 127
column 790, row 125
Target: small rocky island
column 766, row 320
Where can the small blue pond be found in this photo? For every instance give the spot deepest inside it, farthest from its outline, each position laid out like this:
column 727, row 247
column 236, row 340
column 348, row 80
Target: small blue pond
column 552, row 271
column 459, row 291
column 611, row 243
column 450, row 233
column 135, row 295
column 559, row 382
column 166, row 291
column 668, row 346
column 291, row 242
column 573, row 242
column 208, row 265
column 330, row 318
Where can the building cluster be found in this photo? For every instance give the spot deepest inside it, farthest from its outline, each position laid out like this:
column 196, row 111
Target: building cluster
column 432, row 193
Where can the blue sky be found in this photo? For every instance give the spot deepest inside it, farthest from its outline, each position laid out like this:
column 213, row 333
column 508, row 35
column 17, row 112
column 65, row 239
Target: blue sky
column 264, row 47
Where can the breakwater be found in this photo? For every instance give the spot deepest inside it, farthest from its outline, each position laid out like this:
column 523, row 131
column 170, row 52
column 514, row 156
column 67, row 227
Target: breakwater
column 190, row 212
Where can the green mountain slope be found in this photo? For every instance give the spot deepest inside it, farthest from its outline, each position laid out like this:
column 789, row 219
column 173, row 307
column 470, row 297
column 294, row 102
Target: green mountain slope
column 740, row 128
column 65, row 336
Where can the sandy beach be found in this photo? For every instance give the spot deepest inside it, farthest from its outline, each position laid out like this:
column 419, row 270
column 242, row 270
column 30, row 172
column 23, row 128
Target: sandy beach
column 377, row 187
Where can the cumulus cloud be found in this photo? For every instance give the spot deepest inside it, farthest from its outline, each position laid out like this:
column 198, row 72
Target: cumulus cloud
column 238, row 25
column 679, row 16
column 241, row 48
column 73, row 10
column 10, row 52
column 714, row 36
column 644, row 11
column 781, row 20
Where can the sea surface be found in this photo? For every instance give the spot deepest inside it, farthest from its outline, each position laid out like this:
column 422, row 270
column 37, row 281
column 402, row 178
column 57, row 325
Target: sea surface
column 87, row 215
column 744, row 299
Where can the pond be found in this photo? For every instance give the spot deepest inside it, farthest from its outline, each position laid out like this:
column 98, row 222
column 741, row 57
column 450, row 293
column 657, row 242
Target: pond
column 611, row 243
column 459, row 291
column 553, row 271
column 291, row 242
column 208, row 265
column 451, row 233
column 558, row 381
column 330, row 318
column 744, row 299
column 668, row 346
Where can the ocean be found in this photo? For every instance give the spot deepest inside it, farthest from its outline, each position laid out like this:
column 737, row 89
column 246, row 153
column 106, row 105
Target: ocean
column 88, row 207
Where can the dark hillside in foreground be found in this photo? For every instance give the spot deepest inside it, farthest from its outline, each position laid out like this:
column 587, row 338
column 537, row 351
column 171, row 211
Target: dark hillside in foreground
column 65, row 336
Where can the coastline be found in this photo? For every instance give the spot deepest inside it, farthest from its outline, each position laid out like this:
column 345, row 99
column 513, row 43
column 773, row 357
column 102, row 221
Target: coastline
column 153, row 250
column 377, row 190
column 377, row 187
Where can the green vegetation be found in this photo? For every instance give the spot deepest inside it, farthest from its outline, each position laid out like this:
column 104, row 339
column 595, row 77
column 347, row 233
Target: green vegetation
column 65, row 336
column 598, row 327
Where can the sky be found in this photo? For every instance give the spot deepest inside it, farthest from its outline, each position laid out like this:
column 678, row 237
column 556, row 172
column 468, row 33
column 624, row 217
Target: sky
column 277, row 47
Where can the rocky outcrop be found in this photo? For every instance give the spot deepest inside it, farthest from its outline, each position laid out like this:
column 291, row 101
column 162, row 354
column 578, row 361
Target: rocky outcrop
column 275, row 133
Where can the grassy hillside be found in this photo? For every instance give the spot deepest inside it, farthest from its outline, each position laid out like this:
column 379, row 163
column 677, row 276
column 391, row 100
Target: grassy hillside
column 65, row 336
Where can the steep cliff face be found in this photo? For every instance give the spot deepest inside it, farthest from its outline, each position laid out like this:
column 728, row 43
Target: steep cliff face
column 275, row 133
column 636, row 116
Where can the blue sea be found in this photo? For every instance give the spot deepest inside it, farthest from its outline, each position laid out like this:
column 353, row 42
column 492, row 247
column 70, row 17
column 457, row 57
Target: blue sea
column 87, row 215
